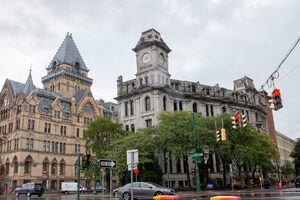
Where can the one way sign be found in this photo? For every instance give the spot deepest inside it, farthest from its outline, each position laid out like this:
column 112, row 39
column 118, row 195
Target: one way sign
column 108, row 163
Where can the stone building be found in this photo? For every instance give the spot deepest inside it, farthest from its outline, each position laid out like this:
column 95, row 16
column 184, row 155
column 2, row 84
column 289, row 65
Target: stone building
column 152, row 91
column 41, row 130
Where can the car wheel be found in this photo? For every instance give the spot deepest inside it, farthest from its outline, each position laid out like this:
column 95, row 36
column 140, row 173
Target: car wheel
column 28, row 194
column 158, row 193
column 17, row 194
column 115, row 194
column 126, row 196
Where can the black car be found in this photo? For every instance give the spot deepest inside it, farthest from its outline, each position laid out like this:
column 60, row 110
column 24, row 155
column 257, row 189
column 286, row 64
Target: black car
column 30, row 189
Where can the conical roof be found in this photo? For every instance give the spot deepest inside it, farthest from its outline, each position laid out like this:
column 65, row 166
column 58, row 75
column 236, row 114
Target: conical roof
column 29, row 86
column 68, row 53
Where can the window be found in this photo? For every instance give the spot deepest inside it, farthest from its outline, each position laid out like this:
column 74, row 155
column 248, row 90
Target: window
column 48, row 146
column 88, row 108
column 64, row 147
column 176, row 86
column 62, row 168
column 212, row 110
column 141, row 81
column 195, row 107
column 132, row 128
column 224, row 109
column 45, row 145
column 7, row 167
column 77, row 148
column 193, row 88
column 165, row 103
column 146, row 80
column 131, row 108
column 16, row 166
column 77, row 132
column 127, row 127
column 147, row 104
column 53, row 147
column 17, row 124
column 28, row 165
column 148, row 122
column 78, row 118
column 47, row 128
column 29, row 143
column 207, row 110
column 180, row 105
column 63, row 130
column 126, row 109
column 54, row 167
column 31, row 108
column 175, row 105
column 57, row 114
column 10, row 127
column 16, row 146
column 30, row 124
column 46, row 166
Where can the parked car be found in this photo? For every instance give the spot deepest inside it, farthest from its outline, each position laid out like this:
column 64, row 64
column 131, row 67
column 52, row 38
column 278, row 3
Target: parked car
column 115, row 193
column 143, row 190
column 29, row 189
column 69, row 187
column 297, row 182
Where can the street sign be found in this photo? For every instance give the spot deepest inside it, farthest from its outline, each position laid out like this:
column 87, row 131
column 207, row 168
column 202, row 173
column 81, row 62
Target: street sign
column 108, row 163
column 197, row 154
column 132, row 156
column 135, row 166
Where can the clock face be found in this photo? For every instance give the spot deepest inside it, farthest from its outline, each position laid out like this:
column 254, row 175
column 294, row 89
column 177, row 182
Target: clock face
column 161, row 59
column 146, row 58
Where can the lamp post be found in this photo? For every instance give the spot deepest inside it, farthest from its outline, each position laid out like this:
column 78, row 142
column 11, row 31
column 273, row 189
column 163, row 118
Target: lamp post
column 94, row 169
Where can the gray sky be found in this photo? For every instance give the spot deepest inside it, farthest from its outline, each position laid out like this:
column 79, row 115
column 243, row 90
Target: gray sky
column 212, row 42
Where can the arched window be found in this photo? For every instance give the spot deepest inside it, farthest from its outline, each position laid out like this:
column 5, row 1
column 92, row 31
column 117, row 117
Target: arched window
column 195, row 107
column 224, row 109
column 126, row 108
column 16, row 165
column 180, row 105
column 7, row 166
column 131, row 108
column 46, row 166
column 62, row 167
column 54, row 167
column 147, row 103
column 165, row 103
column 88, row 108
column 175, row 105
column 28, row 165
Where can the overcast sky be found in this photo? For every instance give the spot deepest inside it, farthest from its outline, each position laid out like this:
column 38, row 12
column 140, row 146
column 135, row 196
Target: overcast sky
column 212, row 42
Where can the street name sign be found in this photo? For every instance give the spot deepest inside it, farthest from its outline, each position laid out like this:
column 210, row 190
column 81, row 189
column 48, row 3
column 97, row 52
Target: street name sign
column 108, row 163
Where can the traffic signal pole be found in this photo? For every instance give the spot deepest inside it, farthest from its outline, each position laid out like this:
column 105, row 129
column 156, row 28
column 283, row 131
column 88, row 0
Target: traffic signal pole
column 197, row 156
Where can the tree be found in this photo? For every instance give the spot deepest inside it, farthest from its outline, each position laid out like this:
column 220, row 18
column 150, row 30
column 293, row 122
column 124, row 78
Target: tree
column 175, row 133
column 100, row 137
column 287, row 169
column 296, row 155
column 146, row 142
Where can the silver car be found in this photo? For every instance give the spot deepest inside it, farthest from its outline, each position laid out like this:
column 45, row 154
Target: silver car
column 143, row 190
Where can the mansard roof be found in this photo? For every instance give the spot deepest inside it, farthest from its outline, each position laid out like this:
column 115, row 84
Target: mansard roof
column 149, row 38
column 68, row 53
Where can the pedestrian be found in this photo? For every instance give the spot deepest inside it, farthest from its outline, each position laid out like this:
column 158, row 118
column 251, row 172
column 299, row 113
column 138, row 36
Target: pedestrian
column 286, row 182
column 267, row 183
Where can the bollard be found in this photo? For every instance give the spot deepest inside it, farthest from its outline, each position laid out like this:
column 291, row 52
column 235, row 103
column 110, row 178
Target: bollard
column 166, row 197
column 225, row 198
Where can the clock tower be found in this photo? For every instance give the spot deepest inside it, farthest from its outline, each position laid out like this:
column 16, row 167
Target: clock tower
column 152, row 59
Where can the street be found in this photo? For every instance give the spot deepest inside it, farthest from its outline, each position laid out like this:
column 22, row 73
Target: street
column 285, row 194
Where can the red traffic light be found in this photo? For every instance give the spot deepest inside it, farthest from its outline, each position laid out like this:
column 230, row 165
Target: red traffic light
column 276, row 92
column 237, row 116
column 136, row 171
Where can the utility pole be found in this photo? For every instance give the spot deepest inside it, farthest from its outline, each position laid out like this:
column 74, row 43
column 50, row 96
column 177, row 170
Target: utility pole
column 78, row 176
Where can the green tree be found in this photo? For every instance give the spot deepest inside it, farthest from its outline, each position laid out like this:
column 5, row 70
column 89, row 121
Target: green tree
column 146, row 142
column 176, row 135
column 100, row 137
column 296, row 155
column 287, row 169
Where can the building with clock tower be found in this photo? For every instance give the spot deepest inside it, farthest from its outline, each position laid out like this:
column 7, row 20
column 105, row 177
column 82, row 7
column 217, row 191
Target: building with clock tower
column 152, row 91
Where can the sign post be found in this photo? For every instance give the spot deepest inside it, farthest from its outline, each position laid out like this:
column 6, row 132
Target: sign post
column 132, row 158
column 111, row 164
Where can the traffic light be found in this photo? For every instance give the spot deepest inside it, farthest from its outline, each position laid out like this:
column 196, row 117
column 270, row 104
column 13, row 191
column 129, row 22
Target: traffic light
column 218, row 135
column 277, row 99
column 223, row 134
column 244, row 121
column 236, row 120
column 86, row 161
column 271, row 100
